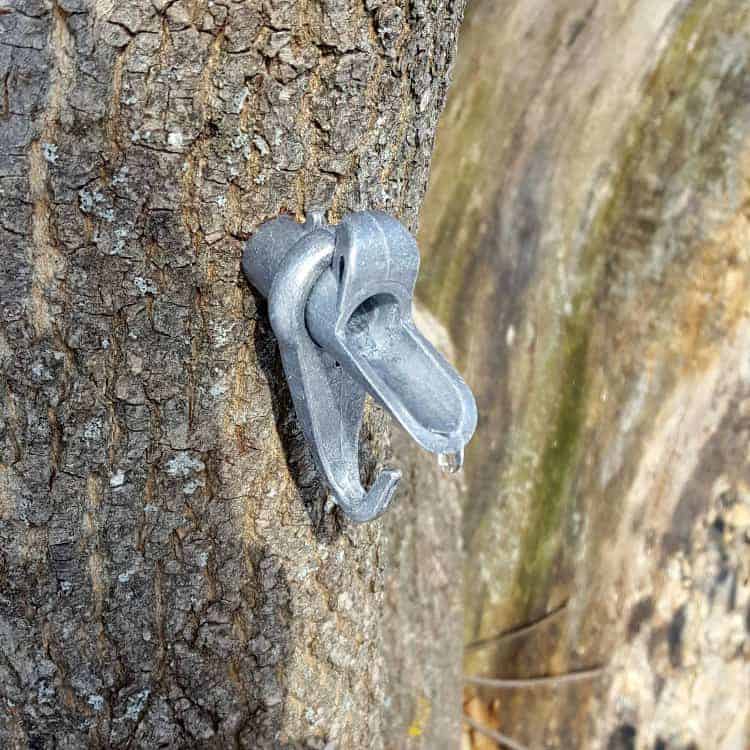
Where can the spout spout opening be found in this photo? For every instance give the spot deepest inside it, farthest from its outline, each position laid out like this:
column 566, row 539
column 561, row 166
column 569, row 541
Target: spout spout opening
column 408, row 375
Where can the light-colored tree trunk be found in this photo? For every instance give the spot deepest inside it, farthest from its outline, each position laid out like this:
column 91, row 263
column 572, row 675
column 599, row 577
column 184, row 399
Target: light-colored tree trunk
column 168, row 574
column 588, row 237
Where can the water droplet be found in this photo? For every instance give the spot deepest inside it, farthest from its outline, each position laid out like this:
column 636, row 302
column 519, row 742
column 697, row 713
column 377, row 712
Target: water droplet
column 450, row 463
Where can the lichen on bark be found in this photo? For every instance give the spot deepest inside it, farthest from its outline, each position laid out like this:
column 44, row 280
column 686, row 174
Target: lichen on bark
column 168, row 574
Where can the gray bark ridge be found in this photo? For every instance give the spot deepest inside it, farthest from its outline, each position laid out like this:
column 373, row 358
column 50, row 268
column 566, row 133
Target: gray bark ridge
column 168, row 577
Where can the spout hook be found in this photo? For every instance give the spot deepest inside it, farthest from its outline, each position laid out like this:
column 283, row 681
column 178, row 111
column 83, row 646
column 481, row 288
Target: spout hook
column 328, row 402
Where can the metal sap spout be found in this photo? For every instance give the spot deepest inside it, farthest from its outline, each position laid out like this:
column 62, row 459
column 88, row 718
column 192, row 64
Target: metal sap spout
column 340, row 303
column 360, row 313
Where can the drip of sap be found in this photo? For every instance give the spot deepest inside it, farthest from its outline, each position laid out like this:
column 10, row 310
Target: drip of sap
column 450, row 463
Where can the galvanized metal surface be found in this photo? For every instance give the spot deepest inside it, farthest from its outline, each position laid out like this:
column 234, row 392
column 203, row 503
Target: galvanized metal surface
column 340, row 302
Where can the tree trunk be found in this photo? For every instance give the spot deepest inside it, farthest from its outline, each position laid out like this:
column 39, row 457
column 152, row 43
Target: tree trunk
column 169, row 576
column 588, row 236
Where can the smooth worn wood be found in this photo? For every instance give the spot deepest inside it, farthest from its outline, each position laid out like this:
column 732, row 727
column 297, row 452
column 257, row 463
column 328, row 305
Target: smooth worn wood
column 169, row 576
column 587, row 241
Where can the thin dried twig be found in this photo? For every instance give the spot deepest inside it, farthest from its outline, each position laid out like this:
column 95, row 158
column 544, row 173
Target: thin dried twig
column 517, row 632
column 543, row 680
column 501, row 739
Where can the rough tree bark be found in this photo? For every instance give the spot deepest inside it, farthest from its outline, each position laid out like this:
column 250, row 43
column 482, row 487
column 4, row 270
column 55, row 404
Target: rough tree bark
column 168, row 574
column 588, row 234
